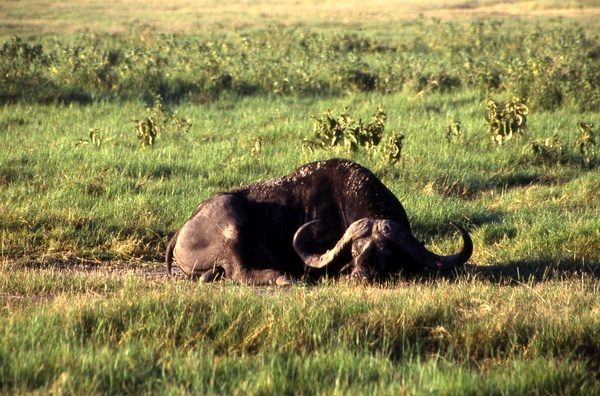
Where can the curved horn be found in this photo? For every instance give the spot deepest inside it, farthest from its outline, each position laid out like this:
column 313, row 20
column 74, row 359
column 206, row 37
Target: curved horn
column 306, row 233
column 405, row 241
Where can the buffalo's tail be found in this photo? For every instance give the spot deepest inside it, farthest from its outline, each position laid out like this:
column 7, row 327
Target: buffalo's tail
column 169, row 254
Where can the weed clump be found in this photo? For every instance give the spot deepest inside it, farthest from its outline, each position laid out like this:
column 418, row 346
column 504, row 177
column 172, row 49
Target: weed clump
column 94, row 139
column 506, row 121
column 587, row 142
column 544, row 151
column 453, row 131
column 353, row 134
column 159, row 121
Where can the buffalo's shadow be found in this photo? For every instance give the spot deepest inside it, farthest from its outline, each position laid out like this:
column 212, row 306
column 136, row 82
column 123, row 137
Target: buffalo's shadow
column 525, row 271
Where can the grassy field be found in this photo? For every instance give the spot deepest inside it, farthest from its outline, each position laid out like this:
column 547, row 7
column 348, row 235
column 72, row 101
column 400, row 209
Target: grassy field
column 35, row 17
column 117, row 119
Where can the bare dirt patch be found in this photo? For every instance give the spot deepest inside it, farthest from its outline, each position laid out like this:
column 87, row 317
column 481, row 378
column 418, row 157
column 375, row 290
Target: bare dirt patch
column 119, row 269
column 88, row 267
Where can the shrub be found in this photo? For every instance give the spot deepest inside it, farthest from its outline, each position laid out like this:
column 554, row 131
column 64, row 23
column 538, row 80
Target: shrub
column 587, row 142
column 547, row 151
column 506, row 121
column 352, row 134
column 159, row 121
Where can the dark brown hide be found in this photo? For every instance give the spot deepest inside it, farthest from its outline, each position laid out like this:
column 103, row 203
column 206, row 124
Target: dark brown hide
column 323, row 217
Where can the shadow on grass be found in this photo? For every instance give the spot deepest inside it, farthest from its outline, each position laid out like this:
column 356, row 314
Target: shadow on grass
column 432, row 228
column 473, row 188
column 527, row 271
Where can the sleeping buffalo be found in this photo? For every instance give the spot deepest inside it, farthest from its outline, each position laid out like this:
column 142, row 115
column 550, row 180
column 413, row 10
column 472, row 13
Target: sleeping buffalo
column 328, row 218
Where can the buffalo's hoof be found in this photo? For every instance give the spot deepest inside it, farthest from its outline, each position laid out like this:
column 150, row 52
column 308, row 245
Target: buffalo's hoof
column 212, row 275
column 283, row 280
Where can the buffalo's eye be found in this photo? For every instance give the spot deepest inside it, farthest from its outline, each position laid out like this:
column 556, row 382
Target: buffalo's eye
column 386, row 250
column 358, row 246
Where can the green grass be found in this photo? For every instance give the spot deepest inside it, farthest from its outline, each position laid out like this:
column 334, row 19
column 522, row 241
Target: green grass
column 83, row 227
column 119, row 202
column 535, row 227
column 122, row 333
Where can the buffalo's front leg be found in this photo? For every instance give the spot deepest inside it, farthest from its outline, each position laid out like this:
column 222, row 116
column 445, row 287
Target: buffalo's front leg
column 261, row 276
column 251, row 277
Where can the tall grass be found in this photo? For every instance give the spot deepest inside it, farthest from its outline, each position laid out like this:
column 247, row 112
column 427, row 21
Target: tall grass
column 126, row 334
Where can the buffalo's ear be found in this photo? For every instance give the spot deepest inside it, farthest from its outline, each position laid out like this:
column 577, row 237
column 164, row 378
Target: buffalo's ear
column 404, row 240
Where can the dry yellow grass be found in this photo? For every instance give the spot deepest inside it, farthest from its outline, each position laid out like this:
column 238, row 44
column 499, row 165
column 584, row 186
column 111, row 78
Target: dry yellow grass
column 71, row 16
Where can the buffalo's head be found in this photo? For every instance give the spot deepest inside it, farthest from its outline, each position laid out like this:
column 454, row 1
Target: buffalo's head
column 371, row 249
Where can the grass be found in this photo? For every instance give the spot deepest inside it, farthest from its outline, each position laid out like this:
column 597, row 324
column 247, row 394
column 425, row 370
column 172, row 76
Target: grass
column 84, row 223
column 117, row 202
column 37, row 16
column 127, row 334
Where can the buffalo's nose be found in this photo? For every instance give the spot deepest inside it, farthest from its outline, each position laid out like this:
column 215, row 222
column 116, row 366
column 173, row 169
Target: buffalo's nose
column 360, row 275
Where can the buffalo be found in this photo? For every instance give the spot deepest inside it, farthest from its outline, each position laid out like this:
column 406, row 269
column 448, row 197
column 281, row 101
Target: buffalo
column 331, row 218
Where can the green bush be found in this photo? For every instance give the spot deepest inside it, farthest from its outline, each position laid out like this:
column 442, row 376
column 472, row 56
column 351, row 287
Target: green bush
column 352, row 134
column 548, row 68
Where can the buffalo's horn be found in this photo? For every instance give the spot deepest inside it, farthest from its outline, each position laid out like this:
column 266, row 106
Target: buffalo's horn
column 405, row 241
column 307, row 232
